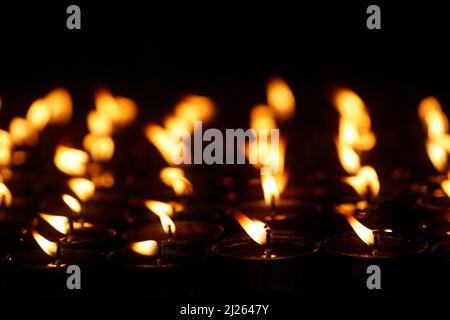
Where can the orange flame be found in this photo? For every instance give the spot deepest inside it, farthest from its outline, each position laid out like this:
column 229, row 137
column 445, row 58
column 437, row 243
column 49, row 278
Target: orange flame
column 72, row 203
column 162, row 140
column 119, row 110
column 101, row 148
column 365, row 181
column 194, row 108
column 39, row 114
column 83, row 188
column 49, row 247
column 145, row 248
column 436, row 124
column 23, row 132
column 5, row 148
column 254, row 228
column 163, row 213
column 71, row 161
column 168, row 208
column 99, row 123
column 5, row 195
column 364, row 233
column 280, row 98
column 60, row 223
column 176, row 179
column 60, row 106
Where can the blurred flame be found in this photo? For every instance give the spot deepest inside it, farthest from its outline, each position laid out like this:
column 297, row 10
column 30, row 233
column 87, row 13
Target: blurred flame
column 280, row 98
column 5, row 148
column 194, row 108
column 60, row 223
column 23, row 132
column 163, row 211
column 365, row 181
column 254, row 228
column 261, row 117
column 145, row 248
column 119, row 110
column 436, row 124
column 355, row 134
column 101, row 148
column 72, row 203
column 49, row 247
column 99, row 123
column 71, row 161
column 168, row 208
column 39, row 114
column 83, row 188
column 351, row 208
column 364, row 233
column 162, row 140
column 175, row 178
column 5, row 195
column 60, row 105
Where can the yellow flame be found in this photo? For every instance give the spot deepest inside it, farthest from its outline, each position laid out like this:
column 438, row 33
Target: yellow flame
column 23, row 132
column 176, row 179
column 195, row 108
column 83, row 188
column 365, row 181
column 162, row 140
column 119, row 110
column 60, row 105
column 101, row 148
column 60, row 223
column 72, row 203
column 280, row 98
column 163, row 211
column 364, row 233
column 6, row 197
column 254, row 228
column 261, row 117
column 350, row 208
column 71, row 161
column 145, row 248
column 39, row 114
column 99, row 123
column 5, row 148
column 355, row 134
column 168, row 208
column 49, row 247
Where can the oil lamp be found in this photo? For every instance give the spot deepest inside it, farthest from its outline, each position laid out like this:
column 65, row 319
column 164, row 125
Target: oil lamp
column 398, row 257
column 198, row 231
column 41, row 274
column 265, row 261
column 172, row 269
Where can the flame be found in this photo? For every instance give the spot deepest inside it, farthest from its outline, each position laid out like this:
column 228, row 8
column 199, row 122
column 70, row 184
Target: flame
column 194, row 108
column 60, row 223
column 23, row 132
column 351, row 208
column 145, row 248
column 5, row 148
column 254, row 228
column 99, row 123
column 119, row 110
column 5, row 195
column 163, row 211
column 175, row 178
column 355, row 134
column 101, row 148
column 71, row 161
column 168, row 208
column 49, row 247
column 280, row 98
column 364, row 233
column 60, row 106
column 83, row 188
column 162, row 140
column 261, row 117
column 39, row 114
column 72, row 203
column 365, row 181
column 436, row 124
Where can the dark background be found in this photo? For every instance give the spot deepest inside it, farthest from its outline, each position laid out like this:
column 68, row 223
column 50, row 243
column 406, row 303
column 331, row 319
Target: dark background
column 155, row 53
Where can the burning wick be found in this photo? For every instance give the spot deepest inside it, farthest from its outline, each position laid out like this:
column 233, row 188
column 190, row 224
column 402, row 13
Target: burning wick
column 169, row 232
column 57, row 261
column 269, row 242
column 159, row 260
column 273, row 210
column 376, row 242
